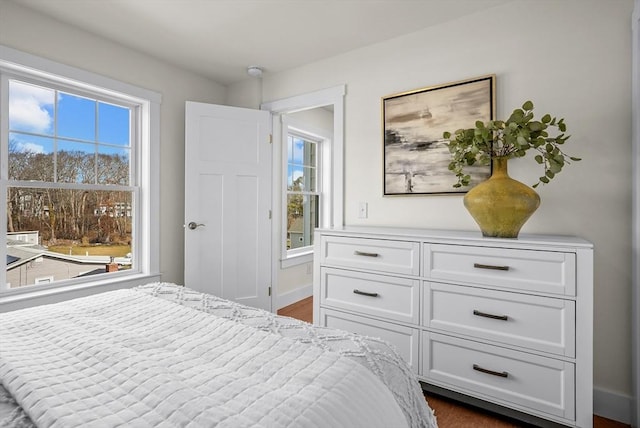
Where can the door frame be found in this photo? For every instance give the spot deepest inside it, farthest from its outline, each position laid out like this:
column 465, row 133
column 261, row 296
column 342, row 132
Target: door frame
column 334, row 97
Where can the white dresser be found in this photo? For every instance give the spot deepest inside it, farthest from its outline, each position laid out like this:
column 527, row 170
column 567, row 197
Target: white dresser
column 507, row 321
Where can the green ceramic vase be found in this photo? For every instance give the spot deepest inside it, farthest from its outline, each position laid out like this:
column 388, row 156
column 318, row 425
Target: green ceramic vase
column 501, row 205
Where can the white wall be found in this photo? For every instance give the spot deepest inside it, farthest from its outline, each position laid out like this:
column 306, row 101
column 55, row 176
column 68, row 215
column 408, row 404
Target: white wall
column 572, row 58
column 36, row 34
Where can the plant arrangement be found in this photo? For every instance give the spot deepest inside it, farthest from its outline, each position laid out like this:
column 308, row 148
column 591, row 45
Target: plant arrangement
column 510, row 139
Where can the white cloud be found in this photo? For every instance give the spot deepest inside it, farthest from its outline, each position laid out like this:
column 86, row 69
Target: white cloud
column 27, row 107
column 28, row 147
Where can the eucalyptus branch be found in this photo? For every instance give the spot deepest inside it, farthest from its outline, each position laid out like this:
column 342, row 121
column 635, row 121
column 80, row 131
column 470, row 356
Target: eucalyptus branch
column 509, row 139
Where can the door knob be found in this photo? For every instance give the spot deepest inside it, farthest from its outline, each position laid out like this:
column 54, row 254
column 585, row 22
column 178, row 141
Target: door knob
column 193, row 225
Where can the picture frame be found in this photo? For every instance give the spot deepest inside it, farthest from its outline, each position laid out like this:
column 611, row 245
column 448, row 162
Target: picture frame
column 416, row 156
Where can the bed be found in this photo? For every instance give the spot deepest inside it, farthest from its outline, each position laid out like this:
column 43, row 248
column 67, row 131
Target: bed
column 162, row 355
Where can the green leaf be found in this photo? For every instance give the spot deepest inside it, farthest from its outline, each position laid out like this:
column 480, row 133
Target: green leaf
column 479, row 124
column 536, row 126
column 528, row 105
column 575, row 159
column 544, row 180
column 446, row 135
column 539, row 159
column 538, row 142
column 516, row 117
column 546, row 118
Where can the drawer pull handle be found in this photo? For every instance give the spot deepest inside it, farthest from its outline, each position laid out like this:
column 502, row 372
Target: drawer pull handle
column 491, row 372
column 362, row 253
column 364, row 293
column 492, row 316
column 492, row 267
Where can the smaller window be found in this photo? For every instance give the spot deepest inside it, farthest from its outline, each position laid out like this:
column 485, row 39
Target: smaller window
column 303, row 195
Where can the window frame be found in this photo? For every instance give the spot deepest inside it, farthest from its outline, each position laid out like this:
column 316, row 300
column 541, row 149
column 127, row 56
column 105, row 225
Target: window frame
column 144, row 175
column 323, row 140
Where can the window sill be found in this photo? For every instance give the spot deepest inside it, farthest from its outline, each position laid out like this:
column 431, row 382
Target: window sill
column 52, row 295
column 295, row 260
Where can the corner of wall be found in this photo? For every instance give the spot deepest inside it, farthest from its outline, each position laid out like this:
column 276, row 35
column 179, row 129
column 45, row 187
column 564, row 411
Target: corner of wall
column 612, row 405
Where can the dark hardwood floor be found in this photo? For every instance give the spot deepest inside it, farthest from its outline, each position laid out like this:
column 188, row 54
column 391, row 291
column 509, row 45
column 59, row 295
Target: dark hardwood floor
column 302, row 310
column 449, row 413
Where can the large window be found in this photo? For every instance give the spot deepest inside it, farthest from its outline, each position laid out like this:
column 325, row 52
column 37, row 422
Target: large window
column 76, row 176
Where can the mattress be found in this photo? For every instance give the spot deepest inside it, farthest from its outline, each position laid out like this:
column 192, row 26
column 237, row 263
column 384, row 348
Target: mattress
column 165, row 355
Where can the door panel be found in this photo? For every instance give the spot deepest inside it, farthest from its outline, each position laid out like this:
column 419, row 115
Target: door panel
column 228, row 193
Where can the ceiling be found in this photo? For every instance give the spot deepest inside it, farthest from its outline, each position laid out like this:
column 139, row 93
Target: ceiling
column 219, row 39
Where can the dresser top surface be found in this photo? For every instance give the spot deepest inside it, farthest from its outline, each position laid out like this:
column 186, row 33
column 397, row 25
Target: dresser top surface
column 457, row 236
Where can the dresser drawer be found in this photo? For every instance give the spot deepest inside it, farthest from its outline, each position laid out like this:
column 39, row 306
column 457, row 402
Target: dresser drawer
column 401, row 257
column 538, row 383
column 542, row 323
column 515, row 269
column 383, row 296
column 404, row 339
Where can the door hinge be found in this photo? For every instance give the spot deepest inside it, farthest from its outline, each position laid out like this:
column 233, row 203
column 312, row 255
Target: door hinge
column 269, row 291
column 270, row 138
column 270, row 214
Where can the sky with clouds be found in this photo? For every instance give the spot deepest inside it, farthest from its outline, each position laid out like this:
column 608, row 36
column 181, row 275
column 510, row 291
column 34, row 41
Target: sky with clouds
column 33, row 110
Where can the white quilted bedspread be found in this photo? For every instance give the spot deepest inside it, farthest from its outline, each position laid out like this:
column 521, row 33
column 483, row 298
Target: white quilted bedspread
column 126, row 358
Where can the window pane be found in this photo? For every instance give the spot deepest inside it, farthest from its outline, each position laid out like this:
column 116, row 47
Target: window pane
column 295, row 178
column 310, row 183
column 113, row 124
column 30, row 157
column 301, row 179
column 310, row 153
column 302, row 152
column 297, row 151
column 76, row 117
column 75, row 162
column 113, row 165
column 289, row 149
column 64, row 234
column 302, row 219
column 30, row 108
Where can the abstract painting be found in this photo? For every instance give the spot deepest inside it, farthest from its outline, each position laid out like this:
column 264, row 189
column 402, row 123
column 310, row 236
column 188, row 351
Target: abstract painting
column 416, row 157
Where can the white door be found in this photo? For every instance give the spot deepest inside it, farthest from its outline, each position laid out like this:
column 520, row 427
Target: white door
column 227, row 203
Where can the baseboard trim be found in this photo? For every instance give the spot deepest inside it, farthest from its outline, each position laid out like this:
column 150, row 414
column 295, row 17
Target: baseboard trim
column 293, row 296
column 612, row 405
